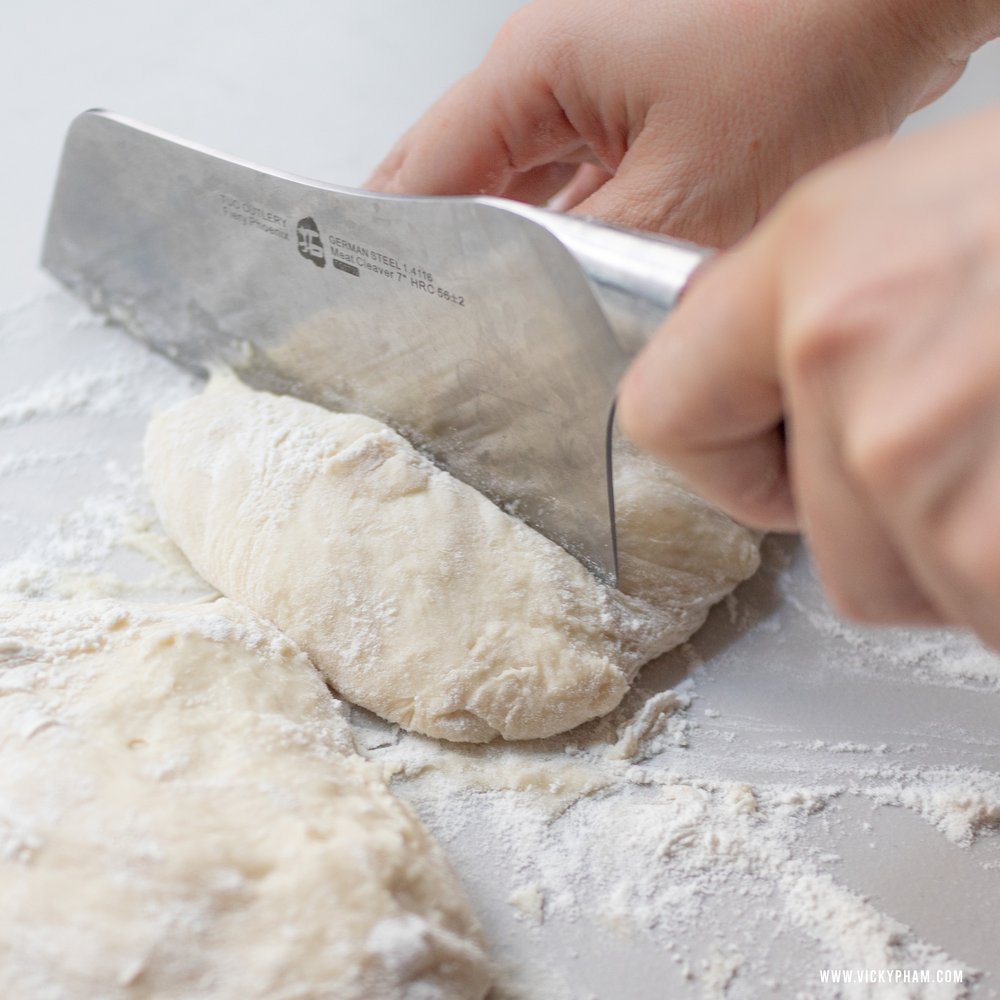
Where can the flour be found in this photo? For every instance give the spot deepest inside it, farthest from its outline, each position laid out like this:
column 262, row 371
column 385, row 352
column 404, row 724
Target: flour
column 693, row 843
column 865, row 938
column 77, row 521
column 658, row 846
column 961, row 802
column 95, row 393
column 919, row 654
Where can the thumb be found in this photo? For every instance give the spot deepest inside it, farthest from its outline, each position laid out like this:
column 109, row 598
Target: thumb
column 704, row 394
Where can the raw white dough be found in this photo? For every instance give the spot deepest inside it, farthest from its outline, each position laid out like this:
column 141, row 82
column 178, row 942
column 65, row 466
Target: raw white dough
column 182, row 816
column 417, row 597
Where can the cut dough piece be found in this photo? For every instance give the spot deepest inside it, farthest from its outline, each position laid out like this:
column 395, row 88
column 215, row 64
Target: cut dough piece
column 417, row 597
column 182, row 815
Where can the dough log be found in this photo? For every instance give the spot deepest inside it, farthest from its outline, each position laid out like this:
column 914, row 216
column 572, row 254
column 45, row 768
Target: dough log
column 417, row 597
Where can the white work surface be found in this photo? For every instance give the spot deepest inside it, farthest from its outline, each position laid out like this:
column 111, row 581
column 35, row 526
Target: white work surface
column 894, row 736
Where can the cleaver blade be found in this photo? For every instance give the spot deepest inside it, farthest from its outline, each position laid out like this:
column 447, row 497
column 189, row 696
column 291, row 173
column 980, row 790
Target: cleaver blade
column 490, row 333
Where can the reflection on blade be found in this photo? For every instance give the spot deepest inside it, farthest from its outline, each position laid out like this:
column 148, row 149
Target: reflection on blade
column 469, row 328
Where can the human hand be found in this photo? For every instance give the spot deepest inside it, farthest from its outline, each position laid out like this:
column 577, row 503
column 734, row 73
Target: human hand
column 690, row 117
column 865, row 313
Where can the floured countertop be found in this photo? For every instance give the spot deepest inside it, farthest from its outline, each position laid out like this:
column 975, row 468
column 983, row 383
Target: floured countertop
column 783, row 795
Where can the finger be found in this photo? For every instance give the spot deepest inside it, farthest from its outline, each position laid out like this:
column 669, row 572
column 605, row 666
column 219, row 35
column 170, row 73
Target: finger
column 704, row 394
column 935, row 453
column 655, row 188
column 539, row 185
column 499, row 121
column 961, row 560
column 852, row 544
column 644, row 192
column 586, row 180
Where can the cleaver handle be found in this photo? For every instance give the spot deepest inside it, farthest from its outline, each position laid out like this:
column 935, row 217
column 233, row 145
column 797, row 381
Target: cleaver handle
column 636, row 277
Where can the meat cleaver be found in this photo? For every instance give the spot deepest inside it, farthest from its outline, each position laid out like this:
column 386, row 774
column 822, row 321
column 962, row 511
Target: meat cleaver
column 490, row 333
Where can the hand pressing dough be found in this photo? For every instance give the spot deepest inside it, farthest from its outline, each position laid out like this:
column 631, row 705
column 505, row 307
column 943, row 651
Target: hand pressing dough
column 417, row 597
column 182, row 815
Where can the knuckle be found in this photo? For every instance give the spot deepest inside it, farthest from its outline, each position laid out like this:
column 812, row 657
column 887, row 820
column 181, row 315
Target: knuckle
column 534, row 39
column 841, row 306
column 828, row 322
column 879, row 456
column 515, row 28
column 521, row 34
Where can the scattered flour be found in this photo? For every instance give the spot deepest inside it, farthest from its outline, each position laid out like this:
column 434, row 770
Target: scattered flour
column 77, row 521
column 684, row 846
column 925, row 654
column 961, row 802
column 660, row 849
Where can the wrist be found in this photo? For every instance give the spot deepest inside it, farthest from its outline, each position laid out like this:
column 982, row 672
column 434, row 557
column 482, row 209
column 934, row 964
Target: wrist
column 943, row 33
column 957, row 28
column 920, row 46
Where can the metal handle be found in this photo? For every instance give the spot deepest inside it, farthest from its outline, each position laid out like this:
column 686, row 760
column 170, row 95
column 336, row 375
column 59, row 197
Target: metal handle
column 636, row 277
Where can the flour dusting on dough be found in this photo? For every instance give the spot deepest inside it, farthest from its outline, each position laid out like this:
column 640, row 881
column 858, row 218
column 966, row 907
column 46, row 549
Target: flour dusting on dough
column 417, row 597
column 182, row 813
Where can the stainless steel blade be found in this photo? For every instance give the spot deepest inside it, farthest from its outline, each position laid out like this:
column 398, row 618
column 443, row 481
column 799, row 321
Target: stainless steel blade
column 466, row 323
